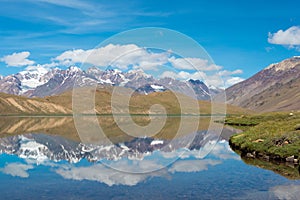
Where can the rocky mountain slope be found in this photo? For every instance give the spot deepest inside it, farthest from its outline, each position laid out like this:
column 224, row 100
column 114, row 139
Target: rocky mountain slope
column 16, row 105
column 139, row 103
column 276, row 88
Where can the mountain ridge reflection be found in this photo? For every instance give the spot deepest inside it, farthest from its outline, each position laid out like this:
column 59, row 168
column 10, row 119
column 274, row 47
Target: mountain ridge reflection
column 102, row 173
column 51, row 142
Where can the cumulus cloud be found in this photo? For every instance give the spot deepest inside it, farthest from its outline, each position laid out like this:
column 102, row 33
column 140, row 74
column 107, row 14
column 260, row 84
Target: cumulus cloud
column 193, row 165
column 130, row 56
column 222, row 79
column 123, row 56
column 233, row 80
column 183, row 75
column 41, row 67
column 229, row 73
column 17, row 169
column 120, row 56
column 289, row 37
column 17, row 59
column 286, row 191
column 229, row 77
column 222, row 150
column 193, row 64
column 109, row 176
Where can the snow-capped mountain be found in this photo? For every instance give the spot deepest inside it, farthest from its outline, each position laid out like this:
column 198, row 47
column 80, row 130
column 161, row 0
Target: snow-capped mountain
column 39, row 82
column 24, row 81
column 41, row 147
column 32, row 78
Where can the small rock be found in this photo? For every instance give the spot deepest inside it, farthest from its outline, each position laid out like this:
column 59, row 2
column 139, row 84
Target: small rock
column 286, row 142
column 296, row 161
column 291, row 114
column 290, row 159
column 260, row 155
column 265, row 157
column 250, row 155
column 259, row 140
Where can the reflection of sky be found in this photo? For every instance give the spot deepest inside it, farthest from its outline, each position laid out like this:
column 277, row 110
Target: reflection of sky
column 286, row 191
column 188, row 162
column 220, row 175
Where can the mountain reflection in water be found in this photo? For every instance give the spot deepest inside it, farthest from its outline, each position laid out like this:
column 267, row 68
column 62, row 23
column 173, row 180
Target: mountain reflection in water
column 142, row 153
column 45, row 157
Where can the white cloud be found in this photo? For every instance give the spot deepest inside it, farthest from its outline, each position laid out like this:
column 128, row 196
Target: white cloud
column 17, row 169
column 17, row 59
column 228, row 77
column 183, row 75
column 233, row 80
column 109, row 176
column 123, row 56
column 228, row 73
column 74, row 4
column 193, row 64
column 289, row 37
column 193, row 165
column 120, row 56
column 222, row 150
column 221, row 79
column 131, row 56
column 43, row 67
column 286, row 191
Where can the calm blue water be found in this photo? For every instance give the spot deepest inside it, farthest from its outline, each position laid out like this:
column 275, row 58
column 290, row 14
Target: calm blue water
column 220, row 175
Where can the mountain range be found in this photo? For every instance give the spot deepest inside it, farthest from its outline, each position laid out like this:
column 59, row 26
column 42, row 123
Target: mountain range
column 41, row 147
column 39, row 82
column 275, row 88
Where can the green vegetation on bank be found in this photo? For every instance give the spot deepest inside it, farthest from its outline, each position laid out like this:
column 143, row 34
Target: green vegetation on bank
column 272, row 136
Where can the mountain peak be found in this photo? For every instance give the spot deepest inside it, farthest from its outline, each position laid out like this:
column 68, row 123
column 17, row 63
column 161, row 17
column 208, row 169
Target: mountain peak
column 74, row 69
column 285, row 64
column 139, row 72
column 275, row 88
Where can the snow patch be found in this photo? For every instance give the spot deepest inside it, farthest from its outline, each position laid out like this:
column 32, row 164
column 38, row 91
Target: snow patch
column 32, row 150
column 157, row 87
column 156, row 142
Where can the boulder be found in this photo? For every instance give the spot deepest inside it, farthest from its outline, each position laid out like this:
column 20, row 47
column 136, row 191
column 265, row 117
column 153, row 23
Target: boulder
column 250, row 155
column 290, row 159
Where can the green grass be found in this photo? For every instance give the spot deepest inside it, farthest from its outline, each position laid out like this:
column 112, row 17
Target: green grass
column 272, row 134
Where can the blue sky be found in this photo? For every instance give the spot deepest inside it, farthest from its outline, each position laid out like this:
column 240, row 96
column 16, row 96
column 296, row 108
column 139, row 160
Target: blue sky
column 242, row 35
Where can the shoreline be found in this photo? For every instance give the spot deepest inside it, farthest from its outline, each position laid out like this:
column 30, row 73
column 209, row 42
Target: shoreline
column 252, row 153
column 111, row 115
column 269, row 137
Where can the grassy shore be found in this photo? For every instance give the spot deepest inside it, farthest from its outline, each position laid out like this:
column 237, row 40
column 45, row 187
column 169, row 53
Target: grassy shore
column 272, row 136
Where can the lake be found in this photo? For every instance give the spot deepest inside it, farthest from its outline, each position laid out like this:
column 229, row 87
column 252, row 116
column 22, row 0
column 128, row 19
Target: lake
column 44, row 158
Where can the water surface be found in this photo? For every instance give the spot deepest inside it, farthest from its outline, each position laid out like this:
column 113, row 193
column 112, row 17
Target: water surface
column 44, row 158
